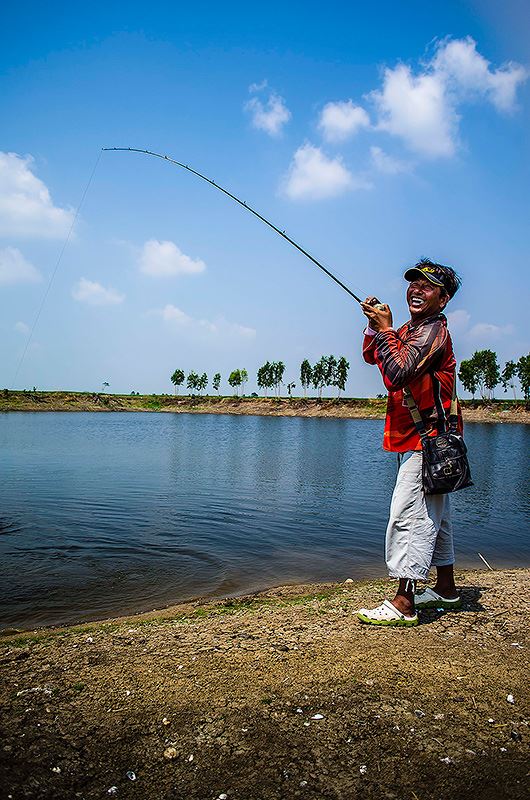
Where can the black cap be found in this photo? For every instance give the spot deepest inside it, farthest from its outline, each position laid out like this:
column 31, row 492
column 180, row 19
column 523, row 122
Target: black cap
column 432, row 273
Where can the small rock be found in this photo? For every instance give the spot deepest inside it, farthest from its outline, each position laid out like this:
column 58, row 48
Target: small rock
column 419, row 713
column 516, row 736
column 131, row 775
column 112, row 790
column 491, row 720
column 223, row 796
column 306, row 724
column 503, row 749
column 165, row 721
column 170, row 753
column 317, row 716
column 447, row 760
column 363, row 769
column 439, row 716
column 89, row 639
column 190, row 758
column 127, row 693
column 57, row 770
column 510, row 699
column 303, row 783
column 299, row 711
column 348, row 580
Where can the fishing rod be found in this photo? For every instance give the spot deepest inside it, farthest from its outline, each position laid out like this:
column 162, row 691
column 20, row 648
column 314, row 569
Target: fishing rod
column 248, row 208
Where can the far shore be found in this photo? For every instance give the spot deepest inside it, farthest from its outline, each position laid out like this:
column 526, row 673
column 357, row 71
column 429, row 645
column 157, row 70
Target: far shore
column 501, row 410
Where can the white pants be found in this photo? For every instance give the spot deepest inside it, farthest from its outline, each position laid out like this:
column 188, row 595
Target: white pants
column 419, row 533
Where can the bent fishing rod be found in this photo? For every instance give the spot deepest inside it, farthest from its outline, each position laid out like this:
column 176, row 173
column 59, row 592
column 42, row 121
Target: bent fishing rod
column 248, row 208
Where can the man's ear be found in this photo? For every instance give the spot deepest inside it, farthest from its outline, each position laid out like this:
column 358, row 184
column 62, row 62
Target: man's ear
column 444, row 299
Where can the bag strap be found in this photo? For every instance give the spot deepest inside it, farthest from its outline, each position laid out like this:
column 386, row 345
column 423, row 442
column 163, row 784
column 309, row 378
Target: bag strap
column 414, row 412
column 417, row 418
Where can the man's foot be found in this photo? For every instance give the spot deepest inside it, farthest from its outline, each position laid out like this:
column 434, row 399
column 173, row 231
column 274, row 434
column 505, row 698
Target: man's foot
column 386, row 614
column 431, row 599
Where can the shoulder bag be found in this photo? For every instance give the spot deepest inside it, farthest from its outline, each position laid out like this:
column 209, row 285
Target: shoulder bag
column 445, row 465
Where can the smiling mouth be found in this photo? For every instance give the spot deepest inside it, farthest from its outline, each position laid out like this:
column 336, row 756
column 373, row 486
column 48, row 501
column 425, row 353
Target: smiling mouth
column 416, row 302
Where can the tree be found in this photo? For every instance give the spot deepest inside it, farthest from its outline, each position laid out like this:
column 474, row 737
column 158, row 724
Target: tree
column 202, row 382
column 507, row 376
column 234, row 379
column 468, row 376
column 177, row 379
column 523, row 373
column 265, row 377
column 306, row 375
column 216, row 382
column 341, row 375
column 244, row 379
column 104, row 385
column 192, row 381
column 319, row 376
column 487, row 371
column 290, row 387
column 278, row 368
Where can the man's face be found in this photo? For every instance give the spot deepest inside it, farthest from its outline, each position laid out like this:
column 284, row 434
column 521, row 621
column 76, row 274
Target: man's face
column 425, row 299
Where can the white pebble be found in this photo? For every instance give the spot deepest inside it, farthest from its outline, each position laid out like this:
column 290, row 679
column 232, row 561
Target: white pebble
column 223, row 796
column 112, row 790
column 131, row 775
column 491, row 720
column 306, row 724
column 317, row 716
column 447, row 760
column 89, row 639
column 190, row 758
column 299, row 711
column 303, row 783
column 503, row 749
column 165, row 721
column 363, row 769
column 510, row 699
column 170, row 753
column 57, row 770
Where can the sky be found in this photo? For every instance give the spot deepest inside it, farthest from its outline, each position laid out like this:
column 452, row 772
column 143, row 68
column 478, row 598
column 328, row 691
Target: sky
column 373, row 134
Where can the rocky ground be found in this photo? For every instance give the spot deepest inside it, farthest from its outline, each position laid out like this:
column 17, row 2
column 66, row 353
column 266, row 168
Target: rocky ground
column 348, row 408
column 275, row 696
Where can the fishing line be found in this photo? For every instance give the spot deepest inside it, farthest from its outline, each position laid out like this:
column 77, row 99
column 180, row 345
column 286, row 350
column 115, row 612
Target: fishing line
column 244, row 205
column 57, row 263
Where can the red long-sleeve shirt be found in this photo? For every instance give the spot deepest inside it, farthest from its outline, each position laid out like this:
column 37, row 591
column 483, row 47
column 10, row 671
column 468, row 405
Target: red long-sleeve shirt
column 419, row 356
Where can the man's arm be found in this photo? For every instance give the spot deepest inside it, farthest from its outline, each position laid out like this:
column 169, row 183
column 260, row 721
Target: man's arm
column 400, row 362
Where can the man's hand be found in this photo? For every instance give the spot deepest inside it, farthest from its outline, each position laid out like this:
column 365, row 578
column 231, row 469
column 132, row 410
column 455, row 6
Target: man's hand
column 379, row 319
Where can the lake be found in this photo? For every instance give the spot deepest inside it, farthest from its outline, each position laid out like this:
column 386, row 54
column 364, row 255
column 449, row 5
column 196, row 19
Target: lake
column 111, row 513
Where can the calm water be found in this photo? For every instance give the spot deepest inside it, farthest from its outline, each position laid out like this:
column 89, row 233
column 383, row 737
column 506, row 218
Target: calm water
column 108, row 513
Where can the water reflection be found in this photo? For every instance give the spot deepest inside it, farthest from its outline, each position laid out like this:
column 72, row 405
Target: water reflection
column 119, row 512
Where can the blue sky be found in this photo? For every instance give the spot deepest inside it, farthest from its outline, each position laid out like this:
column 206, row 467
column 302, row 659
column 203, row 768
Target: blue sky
column 372, row 133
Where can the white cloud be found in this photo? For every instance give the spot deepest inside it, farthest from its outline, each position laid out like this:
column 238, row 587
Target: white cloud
column 314, row 176
column 258, row 87
column 94, row 294
column 270, row 116
column 338, row 121
column 458, row 319
column 15, row 269
column 26, row 207
column 22, row 328
column 164, row 259
column 467, row 71
column 217, row 327
column 422, row 108
column 417, row 109
column 387, row 164
column 488, row 331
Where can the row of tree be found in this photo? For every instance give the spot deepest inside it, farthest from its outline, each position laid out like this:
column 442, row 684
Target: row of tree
column 327, row 372
column 482, row 372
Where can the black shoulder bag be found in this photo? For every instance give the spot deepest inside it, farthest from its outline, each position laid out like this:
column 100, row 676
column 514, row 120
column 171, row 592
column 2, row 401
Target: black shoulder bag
column 445, row 466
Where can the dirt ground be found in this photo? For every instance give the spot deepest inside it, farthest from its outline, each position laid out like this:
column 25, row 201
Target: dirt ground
column 347, row 408
column 280, row 695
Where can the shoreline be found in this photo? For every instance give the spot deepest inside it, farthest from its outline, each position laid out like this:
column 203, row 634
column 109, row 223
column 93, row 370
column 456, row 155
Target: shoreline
column 280, row 694
column 501, row 411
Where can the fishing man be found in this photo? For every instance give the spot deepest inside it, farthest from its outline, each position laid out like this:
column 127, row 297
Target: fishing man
column 418, row 355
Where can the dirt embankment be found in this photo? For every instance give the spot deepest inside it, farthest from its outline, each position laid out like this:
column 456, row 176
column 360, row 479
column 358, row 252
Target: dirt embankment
column 347, row 408
column 280, row 695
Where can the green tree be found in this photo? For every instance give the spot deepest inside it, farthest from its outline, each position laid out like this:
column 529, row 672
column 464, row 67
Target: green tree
column 244, row 379
column 265, row 377
column 523, row 373
column 331, row 370
column 177, row 379
column 507, row 376
column 234, row 379
column 319, row 376
column 278, row 369
column 306, row 375
column 104, row 385
column 192, row 381
column 216, row 382
column 468, row 376
column 341, row 375
column 290, row 387
column 202, row 382
column 488, row 372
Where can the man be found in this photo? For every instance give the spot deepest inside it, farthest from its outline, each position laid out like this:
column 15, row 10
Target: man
column 418, row 355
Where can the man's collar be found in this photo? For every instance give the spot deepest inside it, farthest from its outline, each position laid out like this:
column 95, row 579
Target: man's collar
column 428, row 320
